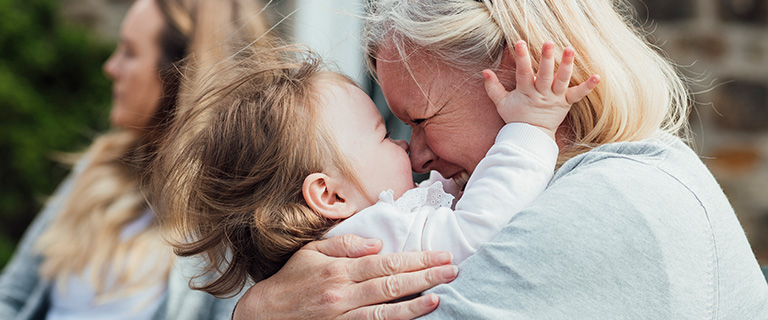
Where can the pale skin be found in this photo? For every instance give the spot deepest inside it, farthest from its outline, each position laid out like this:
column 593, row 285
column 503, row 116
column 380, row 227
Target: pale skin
column 341, row 277
column 542, row 100
column 380, row 163
column 136, row 86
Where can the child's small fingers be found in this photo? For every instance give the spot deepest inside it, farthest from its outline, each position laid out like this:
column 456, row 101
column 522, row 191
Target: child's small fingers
column 563, row 77
column 579, row 92
column 523, row 72
column 493, row 86
column 546, row 68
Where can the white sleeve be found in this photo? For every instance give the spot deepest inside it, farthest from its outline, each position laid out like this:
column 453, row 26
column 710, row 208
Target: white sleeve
column 513, row 173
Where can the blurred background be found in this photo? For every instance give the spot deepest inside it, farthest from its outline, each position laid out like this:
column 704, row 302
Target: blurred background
column 55, row 99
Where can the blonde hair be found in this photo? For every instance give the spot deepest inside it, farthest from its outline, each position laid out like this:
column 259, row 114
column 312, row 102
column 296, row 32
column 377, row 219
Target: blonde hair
column 641, row 93
column 85, row 237
column 230, row 174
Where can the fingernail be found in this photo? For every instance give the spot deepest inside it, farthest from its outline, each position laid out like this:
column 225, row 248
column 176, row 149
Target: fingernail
column 444, row 258
column 449, row 272
column 485, row 76
column 430, row 300
column 372, row 242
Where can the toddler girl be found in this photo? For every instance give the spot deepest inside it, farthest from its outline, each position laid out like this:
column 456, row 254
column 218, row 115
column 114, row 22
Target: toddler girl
column 275, row 154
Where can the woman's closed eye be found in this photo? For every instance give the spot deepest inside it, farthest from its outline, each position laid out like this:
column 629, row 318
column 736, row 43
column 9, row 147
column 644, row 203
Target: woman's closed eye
column 126, row 49
column 418, row 121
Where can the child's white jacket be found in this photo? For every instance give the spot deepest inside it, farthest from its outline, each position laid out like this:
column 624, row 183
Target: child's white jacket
column 514, row 172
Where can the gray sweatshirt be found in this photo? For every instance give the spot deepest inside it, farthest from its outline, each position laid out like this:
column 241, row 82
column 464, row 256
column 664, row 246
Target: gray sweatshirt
column 633, row 230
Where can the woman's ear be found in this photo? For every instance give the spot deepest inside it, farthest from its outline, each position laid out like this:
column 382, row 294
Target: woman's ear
column 322, row 194
column 506, row 72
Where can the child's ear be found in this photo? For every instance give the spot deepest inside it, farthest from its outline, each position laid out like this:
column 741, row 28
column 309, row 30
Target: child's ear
column 323, row 195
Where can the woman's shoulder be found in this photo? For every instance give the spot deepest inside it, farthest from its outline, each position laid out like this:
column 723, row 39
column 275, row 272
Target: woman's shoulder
column 651, row 191
column 646, row 177
column 651, row 161
column 186, row 303
column 640, row 181
column 655, row 204
column 658, row 150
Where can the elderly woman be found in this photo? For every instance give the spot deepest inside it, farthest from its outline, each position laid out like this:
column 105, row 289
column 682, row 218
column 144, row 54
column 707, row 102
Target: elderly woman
column 96, row 251
column 632, row 224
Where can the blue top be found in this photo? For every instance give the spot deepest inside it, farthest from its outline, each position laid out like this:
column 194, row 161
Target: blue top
column 627, row 230
column 79, row 300
column 25, row 295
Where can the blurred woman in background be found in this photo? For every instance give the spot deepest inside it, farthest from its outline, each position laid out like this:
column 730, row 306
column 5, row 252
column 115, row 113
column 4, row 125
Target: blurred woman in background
column 96, row 251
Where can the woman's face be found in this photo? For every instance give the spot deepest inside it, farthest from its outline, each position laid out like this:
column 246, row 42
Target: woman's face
column 454, row 122
column 137, row 88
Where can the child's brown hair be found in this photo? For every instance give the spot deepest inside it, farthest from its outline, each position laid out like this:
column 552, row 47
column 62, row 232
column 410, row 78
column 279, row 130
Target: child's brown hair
column 230, row 172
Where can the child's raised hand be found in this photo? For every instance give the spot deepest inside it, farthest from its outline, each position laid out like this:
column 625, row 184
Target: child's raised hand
column 542, row 100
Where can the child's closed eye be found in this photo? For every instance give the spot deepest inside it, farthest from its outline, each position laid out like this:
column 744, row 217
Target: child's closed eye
column 388, row 134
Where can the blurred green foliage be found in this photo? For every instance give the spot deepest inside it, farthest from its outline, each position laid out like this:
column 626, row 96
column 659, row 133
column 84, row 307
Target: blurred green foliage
column 53, row 98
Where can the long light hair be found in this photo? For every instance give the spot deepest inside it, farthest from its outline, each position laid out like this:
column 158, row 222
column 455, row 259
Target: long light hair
column 229, row 175
column 641, row 94
column 85, row 237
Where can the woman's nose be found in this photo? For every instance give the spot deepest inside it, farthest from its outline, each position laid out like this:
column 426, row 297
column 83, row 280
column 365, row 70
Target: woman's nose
column 422, row 157
column 110, row 67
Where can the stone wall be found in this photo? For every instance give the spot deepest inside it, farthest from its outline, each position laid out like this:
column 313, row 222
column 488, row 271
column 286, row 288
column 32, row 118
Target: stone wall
column 722, row 44
column 102, row 16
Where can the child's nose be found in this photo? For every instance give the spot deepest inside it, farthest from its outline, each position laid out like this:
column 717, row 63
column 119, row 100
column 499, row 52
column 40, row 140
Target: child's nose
column 402, row 144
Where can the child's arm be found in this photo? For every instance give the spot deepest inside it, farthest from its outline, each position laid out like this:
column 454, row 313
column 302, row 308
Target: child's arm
column 514, row 172
column 521, row 162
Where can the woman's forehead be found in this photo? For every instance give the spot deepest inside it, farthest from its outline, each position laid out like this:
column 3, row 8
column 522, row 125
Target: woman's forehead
column 418, row 81
column 142, row 24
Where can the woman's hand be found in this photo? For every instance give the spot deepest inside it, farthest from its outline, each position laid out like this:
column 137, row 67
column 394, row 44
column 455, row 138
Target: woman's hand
column 342, row 278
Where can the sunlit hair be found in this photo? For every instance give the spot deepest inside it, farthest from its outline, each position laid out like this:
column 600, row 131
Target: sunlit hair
column 231, row 171
column 641, row 93
column 85, row 236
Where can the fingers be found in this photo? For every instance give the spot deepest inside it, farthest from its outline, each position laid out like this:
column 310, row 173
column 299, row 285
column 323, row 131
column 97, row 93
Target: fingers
column 523, row 73
column 564, row 72
column 347, row 245
column 577, row 93
column 400, row 285
column 493, row 86
column 546, row 67
column 394, row 311
column 371, row 267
